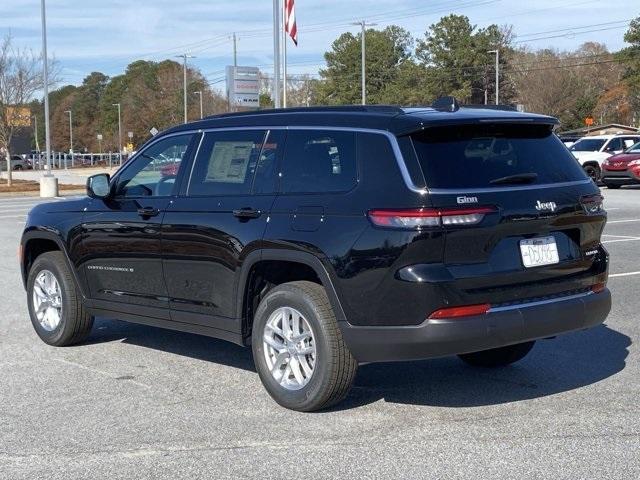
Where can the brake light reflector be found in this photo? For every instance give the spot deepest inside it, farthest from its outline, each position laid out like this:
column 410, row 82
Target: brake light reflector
column 598, row 287
column 592, row 204
column 457, row 312
column 428, row 217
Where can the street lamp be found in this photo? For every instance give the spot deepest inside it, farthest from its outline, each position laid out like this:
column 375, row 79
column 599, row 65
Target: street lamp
column 363, row 24
column 184, row 57
column 200, row 95
column 497, row 52
column 48, row 183
column 119, row 134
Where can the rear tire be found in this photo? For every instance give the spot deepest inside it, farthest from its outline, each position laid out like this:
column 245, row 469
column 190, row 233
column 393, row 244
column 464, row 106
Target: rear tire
column 55, row 303
column 311, row 373
column 612, row 186
column 498, row 357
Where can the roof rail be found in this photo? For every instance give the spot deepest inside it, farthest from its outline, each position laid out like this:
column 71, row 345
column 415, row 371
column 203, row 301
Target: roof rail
column 510, row 108
column 383, row 109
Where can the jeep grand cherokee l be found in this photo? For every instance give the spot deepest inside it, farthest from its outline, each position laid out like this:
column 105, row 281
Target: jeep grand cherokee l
column 328, row 237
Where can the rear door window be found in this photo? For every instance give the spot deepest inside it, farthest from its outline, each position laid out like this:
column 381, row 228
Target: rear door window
column 475, row 156
column 319, row 161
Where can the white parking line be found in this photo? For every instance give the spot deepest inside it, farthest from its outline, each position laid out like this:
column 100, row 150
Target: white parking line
column 4, row 217
column 624, row 221
column 628, row 274
column 14, row 210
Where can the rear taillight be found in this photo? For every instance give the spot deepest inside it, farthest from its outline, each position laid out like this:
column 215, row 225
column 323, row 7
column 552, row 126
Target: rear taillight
column 428, row 217
column 598, row 287
column 457, row 312
column 592, row 204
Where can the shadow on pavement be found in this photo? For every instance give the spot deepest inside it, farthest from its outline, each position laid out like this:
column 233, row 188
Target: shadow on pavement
column 553, row 366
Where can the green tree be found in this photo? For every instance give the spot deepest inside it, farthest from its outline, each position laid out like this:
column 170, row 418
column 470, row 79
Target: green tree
column 455, row 56
column 629, row 57
column 387, row 51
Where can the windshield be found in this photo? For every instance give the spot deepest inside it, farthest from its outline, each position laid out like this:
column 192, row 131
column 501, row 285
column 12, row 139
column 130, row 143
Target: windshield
column 635, row 148
column 493, row 155
column 588, row 145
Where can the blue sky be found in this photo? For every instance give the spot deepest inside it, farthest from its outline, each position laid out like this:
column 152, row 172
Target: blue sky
column 91, row 35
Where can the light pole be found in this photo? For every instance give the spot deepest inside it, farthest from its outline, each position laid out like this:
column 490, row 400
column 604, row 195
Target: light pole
column 184, row 57
column 35, row 125
column 200, row 95
column 497, row 52
column 70, row 138
column 119, row 134
column 48, row 184
column 363, row 24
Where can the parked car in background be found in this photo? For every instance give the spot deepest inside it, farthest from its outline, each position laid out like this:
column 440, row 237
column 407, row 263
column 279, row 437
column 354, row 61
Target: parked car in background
column 623, row 168
column 593, row 150
column 17, row 163
column 569, row 140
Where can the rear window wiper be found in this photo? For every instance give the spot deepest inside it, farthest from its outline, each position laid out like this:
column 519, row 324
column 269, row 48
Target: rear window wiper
column 517, row 178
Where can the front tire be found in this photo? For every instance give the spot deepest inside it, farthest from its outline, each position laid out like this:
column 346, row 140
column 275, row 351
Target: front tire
column 55, row 303
column 498, row 357
column 298, row 349
column 593, row 171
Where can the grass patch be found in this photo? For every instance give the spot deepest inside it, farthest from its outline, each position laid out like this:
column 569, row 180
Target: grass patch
column 18, row 186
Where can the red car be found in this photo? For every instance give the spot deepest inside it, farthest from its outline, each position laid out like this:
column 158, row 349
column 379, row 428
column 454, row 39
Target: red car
column 623, row 168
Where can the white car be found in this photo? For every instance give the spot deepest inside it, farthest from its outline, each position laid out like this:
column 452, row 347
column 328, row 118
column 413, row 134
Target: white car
column 592, row 151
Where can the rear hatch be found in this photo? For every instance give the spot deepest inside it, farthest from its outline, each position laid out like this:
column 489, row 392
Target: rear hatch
column 530, row 220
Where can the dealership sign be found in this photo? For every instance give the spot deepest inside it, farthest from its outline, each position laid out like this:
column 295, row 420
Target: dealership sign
column 243, row 86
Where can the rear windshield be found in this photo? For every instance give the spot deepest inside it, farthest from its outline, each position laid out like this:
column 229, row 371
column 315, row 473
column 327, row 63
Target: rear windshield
column 483, row 156
column 588, row 145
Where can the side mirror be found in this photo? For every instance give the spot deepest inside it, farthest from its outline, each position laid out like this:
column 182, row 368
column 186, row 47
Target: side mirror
column 98, row 186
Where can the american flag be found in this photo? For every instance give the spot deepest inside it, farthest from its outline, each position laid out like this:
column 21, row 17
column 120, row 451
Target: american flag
column 290, row 20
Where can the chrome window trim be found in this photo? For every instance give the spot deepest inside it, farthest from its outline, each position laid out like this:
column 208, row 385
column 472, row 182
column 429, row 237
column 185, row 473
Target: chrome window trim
column 539, row 302
column 393, row 140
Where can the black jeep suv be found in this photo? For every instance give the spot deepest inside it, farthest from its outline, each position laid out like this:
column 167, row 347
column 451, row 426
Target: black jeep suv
column 328, row 237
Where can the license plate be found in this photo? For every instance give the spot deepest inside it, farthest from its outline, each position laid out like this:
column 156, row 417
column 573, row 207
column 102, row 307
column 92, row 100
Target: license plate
column 540, row 251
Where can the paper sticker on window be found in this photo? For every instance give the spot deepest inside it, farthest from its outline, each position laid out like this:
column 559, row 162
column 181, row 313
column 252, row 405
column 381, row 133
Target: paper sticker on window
column 229, row 162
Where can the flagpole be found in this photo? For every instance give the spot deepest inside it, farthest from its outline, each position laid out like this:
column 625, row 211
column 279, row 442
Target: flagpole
column 284, row 53
column 276, row 53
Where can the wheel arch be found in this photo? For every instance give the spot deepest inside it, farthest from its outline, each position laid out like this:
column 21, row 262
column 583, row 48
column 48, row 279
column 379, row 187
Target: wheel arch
column 306, row 263
column 36, row 242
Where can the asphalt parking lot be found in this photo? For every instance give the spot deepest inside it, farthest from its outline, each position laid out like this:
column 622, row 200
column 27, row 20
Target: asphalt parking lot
column 140, row 402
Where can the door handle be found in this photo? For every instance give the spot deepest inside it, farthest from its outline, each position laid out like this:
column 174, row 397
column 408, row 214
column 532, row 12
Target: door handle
column 148, row 212
column 247, row 213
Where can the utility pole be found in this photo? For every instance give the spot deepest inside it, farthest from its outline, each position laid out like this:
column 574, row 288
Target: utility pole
column 363, row 24
column 200, row 95
column 235, row 50
column 276, row 53
column 497, row 52
column 184, row 57
column 119, row 133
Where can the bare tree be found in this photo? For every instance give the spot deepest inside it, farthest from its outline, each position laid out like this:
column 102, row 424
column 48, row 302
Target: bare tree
column 20, row 78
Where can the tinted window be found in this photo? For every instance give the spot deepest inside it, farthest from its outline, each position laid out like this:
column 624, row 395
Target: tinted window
column 318, row 161
column 152, row 173
column 473, row 156
column 270, row 157
column 613, row 145
column 588, row 145
column 226, row 163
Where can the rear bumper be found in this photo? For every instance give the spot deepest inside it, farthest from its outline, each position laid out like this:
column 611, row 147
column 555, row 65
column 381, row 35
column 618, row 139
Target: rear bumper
column 501, row 326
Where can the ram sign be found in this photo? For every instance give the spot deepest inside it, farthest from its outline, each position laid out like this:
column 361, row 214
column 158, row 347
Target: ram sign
column 243, row 86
